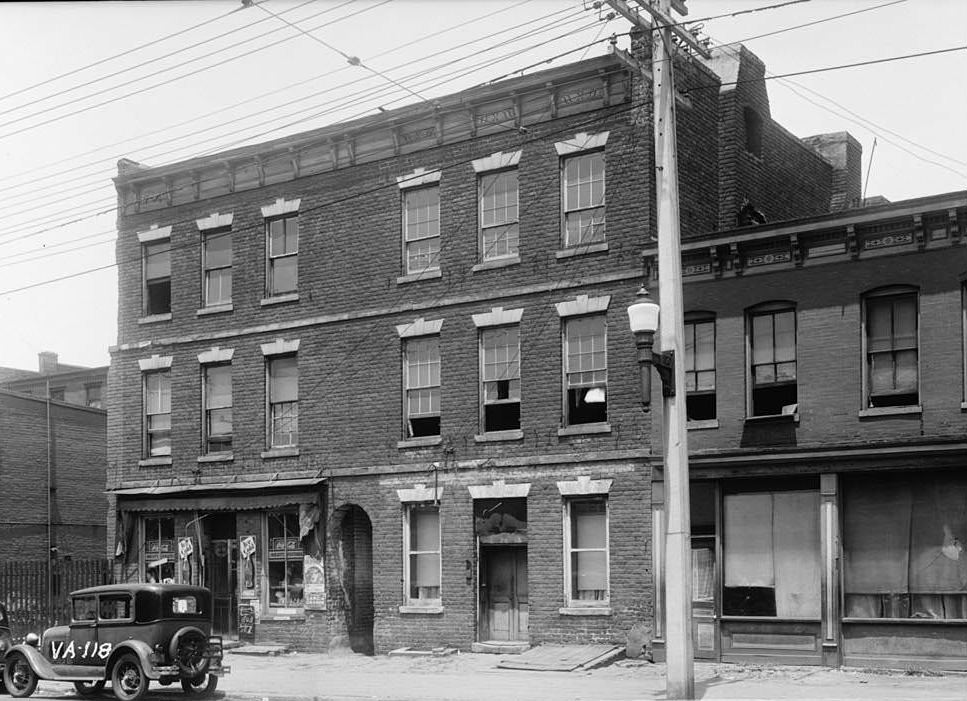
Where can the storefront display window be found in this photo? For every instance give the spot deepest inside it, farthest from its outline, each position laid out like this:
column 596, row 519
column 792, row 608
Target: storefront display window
column 772, row 554
column 159, row 549
column 904, row 547
column 285, row 560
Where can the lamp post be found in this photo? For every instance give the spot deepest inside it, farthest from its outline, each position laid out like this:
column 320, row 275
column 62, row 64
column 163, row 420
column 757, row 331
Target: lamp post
column 643, row 319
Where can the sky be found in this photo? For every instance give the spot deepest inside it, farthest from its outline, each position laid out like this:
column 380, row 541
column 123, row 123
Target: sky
column 87, row 83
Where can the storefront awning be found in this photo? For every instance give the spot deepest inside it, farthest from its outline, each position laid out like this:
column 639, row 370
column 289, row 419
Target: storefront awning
column 231, row 496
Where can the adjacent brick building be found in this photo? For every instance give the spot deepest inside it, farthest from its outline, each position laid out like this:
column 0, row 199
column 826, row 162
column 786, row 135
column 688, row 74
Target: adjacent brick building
column 827, row 381
column 373, row 383
column 74, row 384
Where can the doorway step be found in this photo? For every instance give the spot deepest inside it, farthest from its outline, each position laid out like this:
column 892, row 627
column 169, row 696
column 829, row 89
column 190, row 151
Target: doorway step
column 501, row 647
column 564, row 658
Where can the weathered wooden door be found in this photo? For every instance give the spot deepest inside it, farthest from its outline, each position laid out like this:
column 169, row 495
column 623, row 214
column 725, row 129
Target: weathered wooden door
column 503, row 593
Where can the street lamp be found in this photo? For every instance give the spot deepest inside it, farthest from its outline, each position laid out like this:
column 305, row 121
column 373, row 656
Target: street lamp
column 643, row 319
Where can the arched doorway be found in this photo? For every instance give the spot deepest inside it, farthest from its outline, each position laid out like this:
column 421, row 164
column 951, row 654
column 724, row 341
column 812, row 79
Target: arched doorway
column 352, row 562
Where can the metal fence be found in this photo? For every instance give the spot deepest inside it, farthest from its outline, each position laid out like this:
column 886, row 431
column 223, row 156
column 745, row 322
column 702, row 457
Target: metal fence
column 31, row 605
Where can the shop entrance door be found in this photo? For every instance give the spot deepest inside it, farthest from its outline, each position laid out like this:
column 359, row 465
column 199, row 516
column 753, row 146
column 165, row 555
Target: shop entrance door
column 705, row 639
column 503, row 593
column 222, row 578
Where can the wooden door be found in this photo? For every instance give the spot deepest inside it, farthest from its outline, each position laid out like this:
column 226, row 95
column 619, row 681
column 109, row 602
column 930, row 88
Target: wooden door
column 222, row 576
column 504, row 593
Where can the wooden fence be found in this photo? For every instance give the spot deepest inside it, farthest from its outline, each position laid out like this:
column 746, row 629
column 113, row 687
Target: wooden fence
column 24, row 590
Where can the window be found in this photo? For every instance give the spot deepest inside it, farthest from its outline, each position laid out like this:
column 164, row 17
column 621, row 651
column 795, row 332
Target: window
column 285, row 561
column 283, row 394
column 500, row 378
column 584, row 199
column 753, row 131
column 585, row 370
column 421, row 229
column 94, row 395
column 218, row 408
column 217, row 264
column 904, row 539
column 57, row 394
column 586, row 545
column 891, row 349
column 282, row 270
column 159, row 549
column 421, row 376
column 157, row 413
column 772, row 345
column 700, row 369
column 772, row 561
column 157, row 277
column 84, row 608
column 499, row 230
column 114, row 607
column 421, row 537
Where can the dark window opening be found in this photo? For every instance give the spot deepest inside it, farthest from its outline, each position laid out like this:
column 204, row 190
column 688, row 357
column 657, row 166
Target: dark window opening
column 500, row 520
column 700, row 407
column 424, row 426
column 159, row 296
column 502, row 417
column 753, row 132
column 586, row 405
column 774, row 399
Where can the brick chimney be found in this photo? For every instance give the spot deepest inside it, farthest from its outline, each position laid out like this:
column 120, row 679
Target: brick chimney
column 47, row 362
column 845, row 154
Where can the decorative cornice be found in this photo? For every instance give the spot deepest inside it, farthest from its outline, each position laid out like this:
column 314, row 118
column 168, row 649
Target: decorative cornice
column 499, row 490
column 217, row 355
column 582, row 142
column 496, row 161
column 419, row 327
column 280, row 347
column 498, row 316
column 216, row 221
column 584, row 485
column 583, row 304
column 420, row 493
column 155, row 233
column 155, row 362
column 281, row 207
column 418, row 178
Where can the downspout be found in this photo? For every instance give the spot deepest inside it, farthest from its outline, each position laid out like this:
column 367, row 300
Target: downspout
column 50, row 543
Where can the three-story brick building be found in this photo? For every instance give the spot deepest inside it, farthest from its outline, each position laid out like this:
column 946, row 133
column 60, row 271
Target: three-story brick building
column 373, row 383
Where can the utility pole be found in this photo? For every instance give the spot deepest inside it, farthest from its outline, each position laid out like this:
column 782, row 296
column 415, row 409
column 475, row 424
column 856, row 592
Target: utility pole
column 679, row 659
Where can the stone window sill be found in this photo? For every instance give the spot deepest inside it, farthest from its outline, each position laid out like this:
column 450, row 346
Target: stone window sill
column 434, row 610
column 227, row 456
column 289, row 452
column 495, row 436
column 160, row 461
column 773, row 418
column 585, row 611
column 582, row 250
column 496, row 263
column 279, row 299
column 891, row 411
column 581, row 429
column 702, row 425
column 215, row 309
column 422, row 442
column 155, row 318
column 416, row 277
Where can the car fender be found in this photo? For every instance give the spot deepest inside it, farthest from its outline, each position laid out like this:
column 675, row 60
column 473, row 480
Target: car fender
column 143, row 652
column 35, row 658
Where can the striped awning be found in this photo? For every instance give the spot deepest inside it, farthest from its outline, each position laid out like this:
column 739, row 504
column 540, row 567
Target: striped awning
column 229, row 496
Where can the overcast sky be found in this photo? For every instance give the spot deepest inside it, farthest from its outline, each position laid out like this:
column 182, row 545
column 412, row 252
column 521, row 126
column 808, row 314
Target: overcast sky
column 245, row 76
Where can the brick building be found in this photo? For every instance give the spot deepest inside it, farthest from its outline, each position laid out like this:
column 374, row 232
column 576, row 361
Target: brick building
column 373, row 383
column 826, row 432
column 74, row 384
column 57, row 449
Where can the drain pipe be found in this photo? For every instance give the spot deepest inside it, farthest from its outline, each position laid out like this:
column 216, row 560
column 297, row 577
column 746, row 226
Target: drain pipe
column 50, row 543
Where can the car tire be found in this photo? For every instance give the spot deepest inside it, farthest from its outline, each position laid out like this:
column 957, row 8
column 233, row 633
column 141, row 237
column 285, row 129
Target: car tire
column 128, row 679
column 188, row 650
column 18, row 676
column 202, row 685
column 89, row 688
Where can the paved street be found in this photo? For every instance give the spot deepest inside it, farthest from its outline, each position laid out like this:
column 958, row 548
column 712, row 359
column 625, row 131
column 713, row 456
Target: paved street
column 469, row 677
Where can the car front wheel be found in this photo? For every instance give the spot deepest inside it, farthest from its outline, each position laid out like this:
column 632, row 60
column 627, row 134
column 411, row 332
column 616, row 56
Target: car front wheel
column 128, row 680
column 202, row 685
column 19, row 676
column 89, row 688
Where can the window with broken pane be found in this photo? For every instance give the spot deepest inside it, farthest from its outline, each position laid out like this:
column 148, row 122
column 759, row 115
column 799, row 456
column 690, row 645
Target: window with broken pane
column 585, row 370
column 586, row 544
column 500, row 378
column 891, row 350
column 421, row 377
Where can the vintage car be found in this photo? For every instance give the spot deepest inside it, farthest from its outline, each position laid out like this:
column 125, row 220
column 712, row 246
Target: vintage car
column 128, row 634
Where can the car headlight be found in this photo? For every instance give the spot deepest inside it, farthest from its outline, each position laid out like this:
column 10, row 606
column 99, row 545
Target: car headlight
column 32, row 639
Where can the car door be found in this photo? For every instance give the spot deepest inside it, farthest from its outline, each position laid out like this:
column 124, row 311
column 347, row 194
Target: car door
column 75, row 649
column 115, row 620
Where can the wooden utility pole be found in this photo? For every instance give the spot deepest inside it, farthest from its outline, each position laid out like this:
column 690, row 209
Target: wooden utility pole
column 680, row 668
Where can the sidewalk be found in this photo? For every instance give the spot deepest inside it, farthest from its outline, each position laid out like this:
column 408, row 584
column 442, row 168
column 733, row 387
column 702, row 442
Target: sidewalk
column 473, row 677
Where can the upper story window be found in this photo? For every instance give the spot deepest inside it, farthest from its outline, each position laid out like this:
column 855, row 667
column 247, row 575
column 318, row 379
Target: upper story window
column 217, row 426
column 963, row 344
column 700, row 367
column 421, row 386
column 57, row 394
column 156, row 293
column 282, row 262
column 585, row 370
column 421, row 536
column 753, row 131
column 772, row 354
column 586, row 545
column 157, row 413
column 500, row 378
column 217, row 265
column 282, row 378
column 583, row 199
column 94, row 395
column 421, row 229
column 499, row 228
column 891, row 348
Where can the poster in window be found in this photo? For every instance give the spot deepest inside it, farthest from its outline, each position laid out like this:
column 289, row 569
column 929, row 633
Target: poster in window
column 314, row 583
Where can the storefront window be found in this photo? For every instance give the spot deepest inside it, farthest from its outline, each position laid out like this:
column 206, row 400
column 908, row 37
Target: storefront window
column 772, row 560
column 904, row 550
column 159, row 549
column 285, row 560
